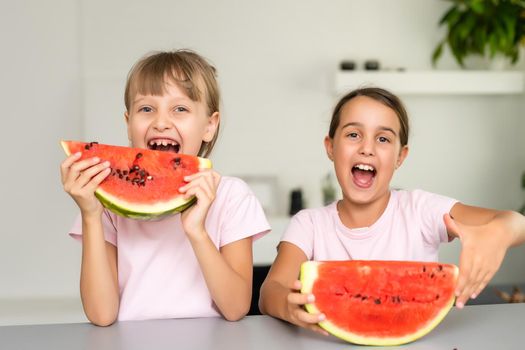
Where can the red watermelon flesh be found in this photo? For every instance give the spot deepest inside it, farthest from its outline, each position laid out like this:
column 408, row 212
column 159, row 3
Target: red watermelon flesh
column 143, row 184
column 379, row 302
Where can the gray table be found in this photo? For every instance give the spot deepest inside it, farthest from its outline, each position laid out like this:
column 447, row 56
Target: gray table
column 475, row 327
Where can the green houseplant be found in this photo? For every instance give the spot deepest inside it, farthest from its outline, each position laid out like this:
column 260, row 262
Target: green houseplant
column 483, row 27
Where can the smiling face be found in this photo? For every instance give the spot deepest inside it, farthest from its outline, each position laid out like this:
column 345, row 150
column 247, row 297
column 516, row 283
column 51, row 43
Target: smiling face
column 366, row 150
column 170, row 122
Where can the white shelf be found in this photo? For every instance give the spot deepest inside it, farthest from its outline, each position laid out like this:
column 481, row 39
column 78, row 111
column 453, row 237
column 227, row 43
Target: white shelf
column 434, row 82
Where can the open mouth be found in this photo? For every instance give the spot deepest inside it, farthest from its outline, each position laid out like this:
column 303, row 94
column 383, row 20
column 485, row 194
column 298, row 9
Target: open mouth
column 364, row 175
column 165, row 145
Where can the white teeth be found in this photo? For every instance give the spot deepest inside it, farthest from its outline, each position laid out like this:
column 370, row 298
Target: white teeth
column 365, row 167
column 160, row 142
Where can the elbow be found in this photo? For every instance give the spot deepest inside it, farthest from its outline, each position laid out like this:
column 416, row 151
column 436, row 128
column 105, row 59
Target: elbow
column 102, row 320
column 238, row 310
column 236, row 314
column 102, row 317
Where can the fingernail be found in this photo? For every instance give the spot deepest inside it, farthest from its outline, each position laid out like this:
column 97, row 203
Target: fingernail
column 311, row 298
column 96, row 159
column 106, row 163
column 473, row 296
column 322, row 317
column 186, row 178
column 78, row 154
column 459, row 305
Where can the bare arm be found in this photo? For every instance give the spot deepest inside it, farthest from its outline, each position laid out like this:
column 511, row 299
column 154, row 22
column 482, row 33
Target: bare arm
column 280, row 296
column 228, row 274
column 98, row 276
column 485, row 236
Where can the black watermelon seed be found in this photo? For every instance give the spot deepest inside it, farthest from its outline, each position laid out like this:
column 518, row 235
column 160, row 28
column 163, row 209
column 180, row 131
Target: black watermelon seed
column 125, row 172
column 138, row 156
column 440, row 267
column 424, row 269
column 86, row 147
column 377, row 301
column 127, row 178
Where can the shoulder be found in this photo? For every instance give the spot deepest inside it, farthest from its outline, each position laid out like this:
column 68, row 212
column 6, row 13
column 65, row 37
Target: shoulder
column 232, row 187
column 314, row 215
column 418, row 197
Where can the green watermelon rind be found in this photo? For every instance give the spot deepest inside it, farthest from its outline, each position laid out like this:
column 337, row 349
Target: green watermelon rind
column 148, row 214
column 147, row 211
column 309, row 275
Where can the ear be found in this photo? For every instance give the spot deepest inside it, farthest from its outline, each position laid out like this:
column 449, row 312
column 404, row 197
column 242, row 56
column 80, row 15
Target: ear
column 126, row 118
column 403, row 153
column 211, row 127
column 329, row 146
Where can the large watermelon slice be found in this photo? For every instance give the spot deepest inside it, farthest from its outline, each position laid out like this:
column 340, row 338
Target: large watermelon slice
column 143, row 184
column 379, row 302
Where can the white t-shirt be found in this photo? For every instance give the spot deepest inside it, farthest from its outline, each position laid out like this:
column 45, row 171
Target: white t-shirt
column 158, row 273
column 410, row 228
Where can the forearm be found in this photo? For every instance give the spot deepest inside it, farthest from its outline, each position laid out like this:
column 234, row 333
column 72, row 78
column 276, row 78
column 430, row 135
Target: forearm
column 273, row 299
column 513, row 225
column 98, row 276
column 229, row 290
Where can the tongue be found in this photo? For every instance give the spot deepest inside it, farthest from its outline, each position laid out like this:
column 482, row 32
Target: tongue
column 363, row 177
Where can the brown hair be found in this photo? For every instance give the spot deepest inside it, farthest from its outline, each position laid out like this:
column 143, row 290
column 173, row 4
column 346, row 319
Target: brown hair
column 190, row 71
column 380, row 95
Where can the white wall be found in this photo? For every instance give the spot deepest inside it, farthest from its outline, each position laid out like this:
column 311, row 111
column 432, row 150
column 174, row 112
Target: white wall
column 276, row 60
column 41, row 99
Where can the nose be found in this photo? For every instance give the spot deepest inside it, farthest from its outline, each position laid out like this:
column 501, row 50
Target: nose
column 367, row 147
column 162, row 122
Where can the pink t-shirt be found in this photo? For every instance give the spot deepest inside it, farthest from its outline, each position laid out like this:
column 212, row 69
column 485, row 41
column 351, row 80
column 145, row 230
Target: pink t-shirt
column 411, row 228
column 158, row 273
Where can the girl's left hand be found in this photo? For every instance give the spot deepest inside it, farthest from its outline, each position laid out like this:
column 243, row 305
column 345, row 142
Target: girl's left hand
column 482, row 253
column 202, row 185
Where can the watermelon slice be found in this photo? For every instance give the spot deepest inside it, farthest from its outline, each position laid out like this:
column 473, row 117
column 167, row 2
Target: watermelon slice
column 143, row 184
column 379, row 302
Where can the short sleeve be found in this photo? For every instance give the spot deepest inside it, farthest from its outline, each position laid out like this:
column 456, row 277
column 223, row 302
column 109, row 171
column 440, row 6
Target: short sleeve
column 300, row 232
column 110, row 231
column 431, row 208
column 243, row 215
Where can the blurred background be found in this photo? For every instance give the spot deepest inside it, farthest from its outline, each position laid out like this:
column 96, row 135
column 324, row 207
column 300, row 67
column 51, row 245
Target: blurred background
column 63, row 69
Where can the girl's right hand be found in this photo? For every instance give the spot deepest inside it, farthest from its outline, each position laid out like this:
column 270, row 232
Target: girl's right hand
column 296, row 312
column 81, row 178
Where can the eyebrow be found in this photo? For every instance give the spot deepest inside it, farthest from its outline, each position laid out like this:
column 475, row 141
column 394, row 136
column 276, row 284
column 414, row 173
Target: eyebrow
column 384, row 128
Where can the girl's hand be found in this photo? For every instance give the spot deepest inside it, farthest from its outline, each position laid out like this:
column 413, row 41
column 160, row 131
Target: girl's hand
column 81, row 178
column 482, row 253
column 202, row 185
column 296, row 313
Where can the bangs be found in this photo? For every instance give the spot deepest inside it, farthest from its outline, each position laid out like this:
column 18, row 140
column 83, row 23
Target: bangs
column 151, row 79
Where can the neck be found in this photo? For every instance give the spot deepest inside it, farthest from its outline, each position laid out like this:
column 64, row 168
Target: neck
column 357, row 215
